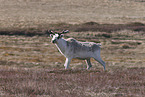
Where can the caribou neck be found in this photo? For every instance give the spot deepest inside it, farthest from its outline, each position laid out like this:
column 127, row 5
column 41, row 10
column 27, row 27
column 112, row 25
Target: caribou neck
column 61, row 45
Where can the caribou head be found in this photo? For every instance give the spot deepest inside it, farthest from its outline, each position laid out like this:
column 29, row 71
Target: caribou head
column 56, row 36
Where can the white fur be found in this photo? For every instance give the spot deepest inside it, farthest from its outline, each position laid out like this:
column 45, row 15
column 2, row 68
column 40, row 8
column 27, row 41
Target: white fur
column 72, row 48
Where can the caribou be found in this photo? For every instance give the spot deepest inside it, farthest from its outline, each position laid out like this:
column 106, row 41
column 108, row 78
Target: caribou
column 72, row 48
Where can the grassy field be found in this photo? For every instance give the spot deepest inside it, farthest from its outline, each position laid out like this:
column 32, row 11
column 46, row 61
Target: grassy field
column 31, row 66
column 20, row 14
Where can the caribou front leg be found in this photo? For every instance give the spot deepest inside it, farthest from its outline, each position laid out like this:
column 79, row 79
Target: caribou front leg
column 67, row 62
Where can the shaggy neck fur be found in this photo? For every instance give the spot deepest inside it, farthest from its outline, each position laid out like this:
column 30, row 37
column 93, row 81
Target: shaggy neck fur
column 61, row 45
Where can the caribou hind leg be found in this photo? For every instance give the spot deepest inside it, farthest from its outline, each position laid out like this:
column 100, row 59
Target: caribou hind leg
column 101, row 62
column 98, row 58
column 89, row 65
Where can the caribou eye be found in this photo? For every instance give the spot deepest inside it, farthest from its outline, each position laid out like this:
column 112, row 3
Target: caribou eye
column 51, row 35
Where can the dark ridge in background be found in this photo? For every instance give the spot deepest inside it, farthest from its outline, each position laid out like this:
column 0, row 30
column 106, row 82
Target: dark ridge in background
column 84, row 27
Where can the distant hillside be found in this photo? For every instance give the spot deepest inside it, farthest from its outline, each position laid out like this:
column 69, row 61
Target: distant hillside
column 33, row 13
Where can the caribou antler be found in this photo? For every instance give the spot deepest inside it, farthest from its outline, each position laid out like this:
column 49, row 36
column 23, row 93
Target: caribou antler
column 52, row 32
column 64, row 31
column 49, row 32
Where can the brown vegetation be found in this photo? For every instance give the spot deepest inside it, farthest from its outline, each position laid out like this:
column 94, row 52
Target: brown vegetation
column 33, row 67
column 82, row 83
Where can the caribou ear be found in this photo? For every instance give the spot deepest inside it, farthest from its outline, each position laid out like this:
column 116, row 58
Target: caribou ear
column 61, row 35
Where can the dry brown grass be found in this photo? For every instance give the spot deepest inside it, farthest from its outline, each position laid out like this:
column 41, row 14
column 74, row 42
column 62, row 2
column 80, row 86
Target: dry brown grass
column 32, row 66
column 82, row 83
column 20, row 14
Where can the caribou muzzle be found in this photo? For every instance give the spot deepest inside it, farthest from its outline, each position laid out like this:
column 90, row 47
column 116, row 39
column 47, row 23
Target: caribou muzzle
column 53, row 41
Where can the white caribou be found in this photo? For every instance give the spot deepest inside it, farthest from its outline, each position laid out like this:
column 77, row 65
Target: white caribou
column 72, row 48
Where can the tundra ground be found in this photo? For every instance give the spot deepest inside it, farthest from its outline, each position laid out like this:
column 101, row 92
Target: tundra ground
column 32, row 66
